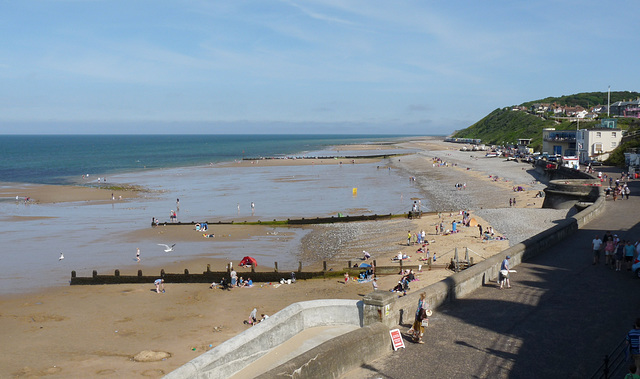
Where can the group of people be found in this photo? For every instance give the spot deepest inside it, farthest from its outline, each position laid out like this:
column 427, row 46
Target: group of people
column 253, row 320
column 416, row 238
column 619, row 190
column 403, row 284
column 616, row 251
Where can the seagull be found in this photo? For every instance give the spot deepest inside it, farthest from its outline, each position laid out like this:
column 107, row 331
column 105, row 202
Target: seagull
column 167, row 248
column 61, row 257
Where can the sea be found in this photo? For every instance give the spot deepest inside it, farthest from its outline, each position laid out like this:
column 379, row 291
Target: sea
column 193, row 169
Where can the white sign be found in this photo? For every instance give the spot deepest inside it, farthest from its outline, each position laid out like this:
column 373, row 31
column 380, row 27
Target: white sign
column 396, row 339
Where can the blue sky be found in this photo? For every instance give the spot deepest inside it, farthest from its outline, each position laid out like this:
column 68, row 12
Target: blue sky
column 391, row 67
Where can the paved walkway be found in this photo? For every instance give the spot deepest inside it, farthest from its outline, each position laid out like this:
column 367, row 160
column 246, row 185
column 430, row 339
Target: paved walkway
column 561, row 317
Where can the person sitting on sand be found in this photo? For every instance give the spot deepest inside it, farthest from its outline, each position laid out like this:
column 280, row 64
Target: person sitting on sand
column 248, row 283
column 367, row 256
column 398, row 287
column 225, row 284
column 410, row 276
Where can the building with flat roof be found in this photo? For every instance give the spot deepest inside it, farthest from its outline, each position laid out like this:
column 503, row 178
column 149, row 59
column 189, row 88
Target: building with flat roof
column 559, row 142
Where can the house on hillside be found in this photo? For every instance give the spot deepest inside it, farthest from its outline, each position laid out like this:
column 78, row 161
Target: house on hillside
column 559, row 142
column 597, row 143
column 629, row 108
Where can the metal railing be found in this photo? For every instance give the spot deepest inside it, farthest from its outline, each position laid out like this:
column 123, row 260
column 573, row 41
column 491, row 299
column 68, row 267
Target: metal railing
column 614, row 363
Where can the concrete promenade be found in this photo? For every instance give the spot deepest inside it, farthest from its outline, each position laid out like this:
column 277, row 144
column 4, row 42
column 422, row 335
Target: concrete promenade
column 561, row 317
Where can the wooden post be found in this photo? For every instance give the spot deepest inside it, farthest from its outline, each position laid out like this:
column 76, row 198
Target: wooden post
column 139, row 272
column 471, row 261
column 253, row 268
column 117, row 273
column 466, row 256
column 400, row 264
column 324, row 265
column 276, row 266
column 186, row 272
column 73, row 274
column 208, row 267
column 95, row 273
column 429, row 263
column 162, row 273
column 349, row 264
column 299, row 266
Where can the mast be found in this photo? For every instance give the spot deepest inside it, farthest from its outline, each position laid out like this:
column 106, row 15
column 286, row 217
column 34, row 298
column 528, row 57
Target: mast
column 608, row 100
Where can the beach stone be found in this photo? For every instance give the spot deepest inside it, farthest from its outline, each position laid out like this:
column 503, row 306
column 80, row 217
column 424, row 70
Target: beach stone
column 151, row 356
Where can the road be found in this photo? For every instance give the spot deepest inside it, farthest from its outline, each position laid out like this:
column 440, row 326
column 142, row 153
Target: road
column 559, row 319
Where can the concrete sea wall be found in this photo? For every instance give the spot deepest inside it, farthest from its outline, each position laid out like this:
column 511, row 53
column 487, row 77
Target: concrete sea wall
column 378, row 312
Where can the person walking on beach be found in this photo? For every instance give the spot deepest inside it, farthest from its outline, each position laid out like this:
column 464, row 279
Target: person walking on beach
column 480, row 230
column 409, row 238
column 253, row 208
column 138, row 255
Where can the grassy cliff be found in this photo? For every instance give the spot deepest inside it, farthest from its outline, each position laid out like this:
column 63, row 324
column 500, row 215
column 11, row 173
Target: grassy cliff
column 506, row 126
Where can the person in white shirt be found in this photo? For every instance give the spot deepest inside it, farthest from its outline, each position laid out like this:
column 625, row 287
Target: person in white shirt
column 596, row 245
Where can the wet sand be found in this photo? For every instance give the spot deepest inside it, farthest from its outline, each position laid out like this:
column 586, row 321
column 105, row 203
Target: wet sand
column 87, row 331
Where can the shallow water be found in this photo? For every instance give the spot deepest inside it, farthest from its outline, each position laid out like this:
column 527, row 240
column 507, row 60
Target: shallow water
column 90, row 235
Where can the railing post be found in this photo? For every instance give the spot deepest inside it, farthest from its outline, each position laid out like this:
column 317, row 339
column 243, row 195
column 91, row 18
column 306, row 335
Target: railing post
column 457, row 260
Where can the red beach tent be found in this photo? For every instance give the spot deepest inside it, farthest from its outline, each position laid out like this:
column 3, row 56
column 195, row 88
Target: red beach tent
column 248, row 261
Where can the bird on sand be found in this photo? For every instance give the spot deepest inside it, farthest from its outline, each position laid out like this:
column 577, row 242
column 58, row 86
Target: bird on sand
column 61, row 257
column 167, row 248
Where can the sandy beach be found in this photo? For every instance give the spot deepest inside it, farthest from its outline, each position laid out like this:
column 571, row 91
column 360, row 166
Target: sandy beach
column 87, row 331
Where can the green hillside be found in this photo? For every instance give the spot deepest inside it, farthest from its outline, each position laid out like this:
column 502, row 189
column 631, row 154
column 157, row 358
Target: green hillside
column 586, row 99
column 506, row 126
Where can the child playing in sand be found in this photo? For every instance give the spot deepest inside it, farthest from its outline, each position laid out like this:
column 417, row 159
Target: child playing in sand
column 159, row 283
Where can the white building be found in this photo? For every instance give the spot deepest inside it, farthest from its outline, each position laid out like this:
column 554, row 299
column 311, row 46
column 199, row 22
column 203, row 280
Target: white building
column 597, row 143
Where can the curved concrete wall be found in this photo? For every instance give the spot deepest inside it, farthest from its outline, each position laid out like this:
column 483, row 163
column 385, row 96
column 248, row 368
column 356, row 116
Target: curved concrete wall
column 233, row 355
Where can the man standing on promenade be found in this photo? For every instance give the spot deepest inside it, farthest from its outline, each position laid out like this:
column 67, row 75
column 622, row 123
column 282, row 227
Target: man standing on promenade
column 138, row 255
column 633, row 340
column 504, row 273
column 596, row 244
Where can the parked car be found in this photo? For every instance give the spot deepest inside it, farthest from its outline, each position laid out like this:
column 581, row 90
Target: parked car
column 592, row 162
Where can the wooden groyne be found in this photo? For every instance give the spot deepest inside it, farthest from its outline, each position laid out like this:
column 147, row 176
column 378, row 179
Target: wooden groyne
column 209, row 276
column 304, row 220
column 336, row 157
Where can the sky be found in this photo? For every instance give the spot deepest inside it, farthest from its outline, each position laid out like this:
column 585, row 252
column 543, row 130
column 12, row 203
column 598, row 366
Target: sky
column 334, row 66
